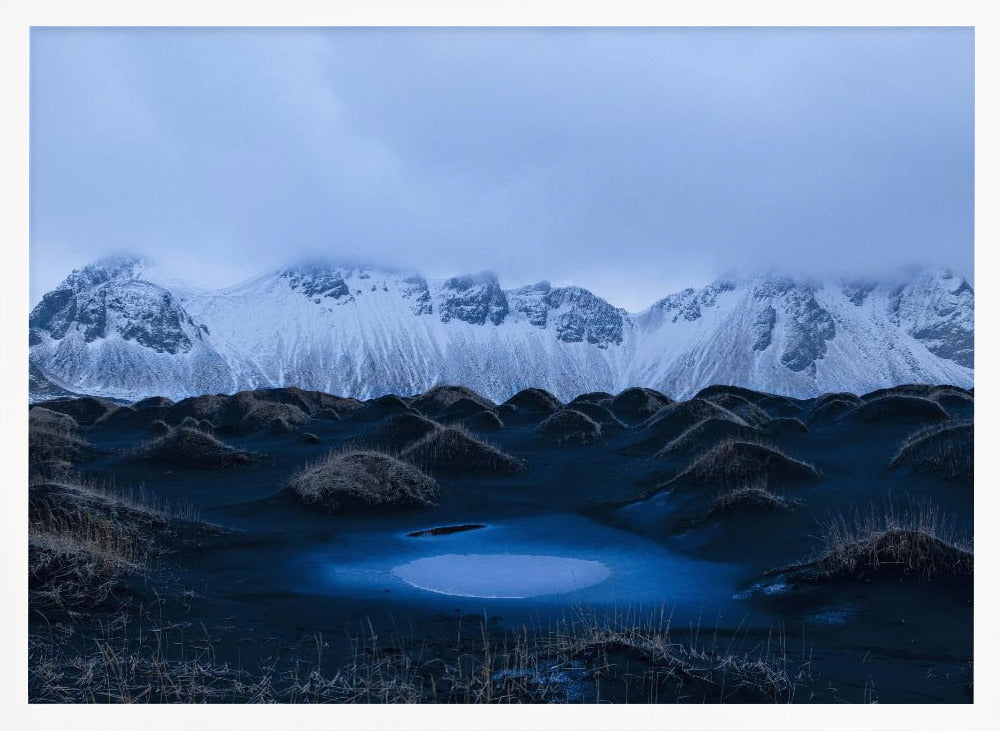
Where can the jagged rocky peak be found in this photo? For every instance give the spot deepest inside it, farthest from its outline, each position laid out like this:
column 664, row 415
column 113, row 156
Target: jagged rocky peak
column 473, row 298
column 316, row 280
column 326, row 283
column 806, row 325
column 938, row 309
column 575, row 314
column 109, row 297
column 121, row 265
column 688, row 304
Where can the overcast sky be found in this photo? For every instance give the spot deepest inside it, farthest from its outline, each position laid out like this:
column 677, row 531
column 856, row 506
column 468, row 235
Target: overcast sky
column 631, row 161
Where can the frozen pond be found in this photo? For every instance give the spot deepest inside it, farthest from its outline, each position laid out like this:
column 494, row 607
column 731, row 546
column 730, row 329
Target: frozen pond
column 501, row 575
column 528, row 565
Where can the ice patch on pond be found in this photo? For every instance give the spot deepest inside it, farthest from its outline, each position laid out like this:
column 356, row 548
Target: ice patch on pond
column 501, row 575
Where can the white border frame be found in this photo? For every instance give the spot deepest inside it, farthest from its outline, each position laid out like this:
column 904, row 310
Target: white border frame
column 17, row 16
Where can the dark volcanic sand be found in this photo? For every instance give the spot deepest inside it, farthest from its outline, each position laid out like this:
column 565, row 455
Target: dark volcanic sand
column 287, row 572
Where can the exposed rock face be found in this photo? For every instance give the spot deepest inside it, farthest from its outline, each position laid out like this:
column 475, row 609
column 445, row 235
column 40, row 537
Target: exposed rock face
column 474, row 299
column 111, row 329
column 940, row 313
column 575, row 314
column 98, row 302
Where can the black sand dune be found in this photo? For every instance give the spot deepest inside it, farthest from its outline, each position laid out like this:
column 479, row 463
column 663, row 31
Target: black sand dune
column 686, row 504
column 735, row 463
column 569, row 426
column 85, row 410
column 897, row 409
column 784, row 425
column 705, row 435
column 363, row 480
column 592, row 397
column 400, row 431
column 534, row 401
column 438, row 398
column 637, row 404
column 456, row 451
column 830, row 411
column 946, row 449
column 599, row 413
column 186, row 447
column 461, row 409
column 484, row 421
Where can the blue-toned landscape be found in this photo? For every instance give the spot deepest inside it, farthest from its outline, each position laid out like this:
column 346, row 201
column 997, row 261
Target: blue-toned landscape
column 512, row 365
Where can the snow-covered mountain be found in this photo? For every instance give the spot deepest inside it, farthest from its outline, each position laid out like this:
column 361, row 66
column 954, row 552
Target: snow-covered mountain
column 110, row 329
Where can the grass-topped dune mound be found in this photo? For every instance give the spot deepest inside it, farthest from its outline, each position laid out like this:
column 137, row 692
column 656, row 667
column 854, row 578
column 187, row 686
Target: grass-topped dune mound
column 923, row 390
column 742, row 407
column 206, row 406
column 460, row 410
column 189, row 422
column 484, row 421
column 42, row 418
column 830, row 411
column 896, row 409
column 129, row 417
column 749, row 500
column 454, row 450
column 186, row 447
column 671, row 421
column 569, row 426
column 86, row 410
column 400, row 430
column 434, row 401
column 592, row 397
column 86, row 544
column 781, row 406
column 704, row 435
column 363, row 480
column 850, row 398
column 955, row 401
column 599, row 413
column 637, row 404
column 247, row 412
column 153, row 402
column 785, row 425
column 742, row 462
column 55, row 437
column 534, row 401
column 946, row 449
column 722, row 390
column 388, row 404
column 888, row 543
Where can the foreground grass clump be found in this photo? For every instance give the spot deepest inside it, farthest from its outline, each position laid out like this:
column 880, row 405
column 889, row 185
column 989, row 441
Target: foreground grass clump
column 361, row 479
column 946, row 449
column 189, row 447
column 623, row 658
column 887, row 540
column 86, row 542
column 53, row 436
column 454, row 450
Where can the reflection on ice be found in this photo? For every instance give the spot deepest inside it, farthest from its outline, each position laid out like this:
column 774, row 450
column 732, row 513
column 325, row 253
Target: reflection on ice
column 501, row 575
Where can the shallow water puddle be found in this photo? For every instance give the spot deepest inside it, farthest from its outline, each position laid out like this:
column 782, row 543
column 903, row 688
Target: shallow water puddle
column 501, row 576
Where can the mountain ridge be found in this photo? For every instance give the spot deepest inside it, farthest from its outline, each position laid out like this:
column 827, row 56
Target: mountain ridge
column 109, row 329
